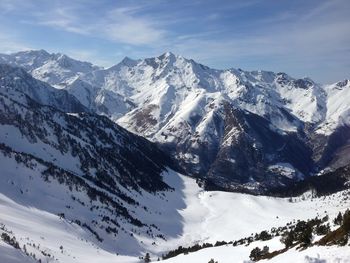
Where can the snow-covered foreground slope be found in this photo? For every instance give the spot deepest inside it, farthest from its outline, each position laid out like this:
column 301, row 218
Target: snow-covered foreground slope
column 40, row 231
column 211, row 216
column 9, row 254
column 186, row 216
column 240, row 254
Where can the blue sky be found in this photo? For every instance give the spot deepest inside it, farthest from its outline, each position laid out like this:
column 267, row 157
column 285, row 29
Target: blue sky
column 302, row 38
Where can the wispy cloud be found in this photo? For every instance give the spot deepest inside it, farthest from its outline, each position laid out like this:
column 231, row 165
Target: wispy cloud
column 121, row 25
column 60, row 18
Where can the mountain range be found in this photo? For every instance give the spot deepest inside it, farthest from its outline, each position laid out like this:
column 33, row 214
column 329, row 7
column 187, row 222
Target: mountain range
column 233, row 129
column 114, row 163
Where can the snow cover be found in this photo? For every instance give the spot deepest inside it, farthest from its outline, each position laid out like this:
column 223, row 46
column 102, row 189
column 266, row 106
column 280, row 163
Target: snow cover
column 286, row 169
column 240, row 254
column 182, row 104
column 338, row 110
column 188, row 215
column 172, row 83
column 177, row 102
column 174, row 97
column 8, row 254
column 52, row 68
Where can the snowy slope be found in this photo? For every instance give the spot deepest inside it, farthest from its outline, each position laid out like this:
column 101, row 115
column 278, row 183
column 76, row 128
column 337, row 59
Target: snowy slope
column 15, row 78
column 338, row 110
column 240, row 254
column 94, row 174
column 187, row 216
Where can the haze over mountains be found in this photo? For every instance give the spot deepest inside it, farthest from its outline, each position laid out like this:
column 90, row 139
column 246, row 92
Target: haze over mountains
column 107, row 150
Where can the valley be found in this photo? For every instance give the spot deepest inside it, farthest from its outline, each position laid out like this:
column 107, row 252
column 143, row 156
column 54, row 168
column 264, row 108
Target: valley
column 152, row 157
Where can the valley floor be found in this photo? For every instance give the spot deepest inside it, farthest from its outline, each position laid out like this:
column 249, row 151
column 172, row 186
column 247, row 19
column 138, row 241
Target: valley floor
column 200, row 217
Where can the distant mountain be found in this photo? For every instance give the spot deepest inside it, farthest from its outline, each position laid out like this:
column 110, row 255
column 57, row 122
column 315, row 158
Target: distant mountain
column 236, row 128
column 54, row 69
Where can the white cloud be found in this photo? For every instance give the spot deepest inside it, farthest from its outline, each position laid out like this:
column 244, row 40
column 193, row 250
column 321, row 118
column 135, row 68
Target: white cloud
column 120, row 25
column 124, row 27
column 62, row 18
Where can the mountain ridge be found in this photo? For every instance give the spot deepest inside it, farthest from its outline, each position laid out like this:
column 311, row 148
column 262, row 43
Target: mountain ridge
column 202, row 116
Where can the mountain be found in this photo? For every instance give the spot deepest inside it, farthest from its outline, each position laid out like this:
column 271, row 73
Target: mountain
column 78, row 166
column 15, row 78
column 54, row 68
column 235, row 129
column 232, row 127
column 77, row 187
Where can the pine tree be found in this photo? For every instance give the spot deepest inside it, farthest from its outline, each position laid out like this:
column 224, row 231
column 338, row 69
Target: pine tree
column 287, row 239
column 147, row 258
column 346, row 221
column 306, row 236
column 255, row 254
column 338, row 220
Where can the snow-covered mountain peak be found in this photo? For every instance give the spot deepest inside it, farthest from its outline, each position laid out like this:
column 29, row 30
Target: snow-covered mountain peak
column 263, row 76
column 26, row 59
column 55, row 69
column 167, row 56
column 31, row 53
column 129, row 62
column 282, row 78
column 304, row 83
column 167, row 59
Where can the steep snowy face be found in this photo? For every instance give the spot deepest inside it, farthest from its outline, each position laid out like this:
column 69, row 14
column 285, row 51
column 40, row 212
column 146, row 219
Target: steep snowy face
column 334, row 131
column 337, row 107
column 54, row 69
column 303, row 97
